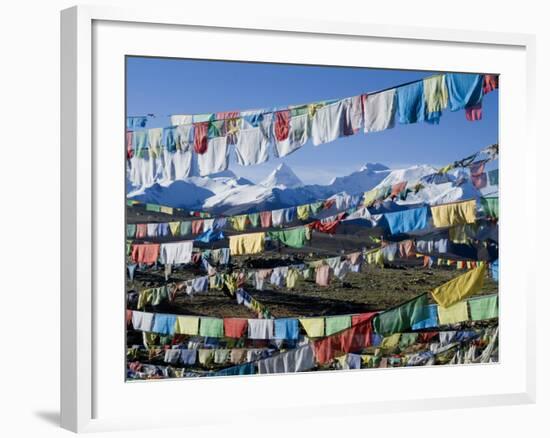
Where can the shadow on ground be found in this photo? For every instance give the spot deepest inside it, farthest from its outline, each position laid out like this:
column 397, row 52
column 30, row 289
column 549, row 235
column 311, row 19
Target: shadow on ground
column 52, row 417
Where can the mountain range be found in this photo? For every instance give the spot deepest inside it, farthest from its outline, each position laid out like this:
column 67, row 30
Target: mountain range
column 229, row 194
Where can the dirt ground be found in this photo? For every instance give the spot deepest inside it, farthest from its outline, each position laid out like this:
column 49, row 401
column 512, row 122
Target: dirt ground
column 374, row 288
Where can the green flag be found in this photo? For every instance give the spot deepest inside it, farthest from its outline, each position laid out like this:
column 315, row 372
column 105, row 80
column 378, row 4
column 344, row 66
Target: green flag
column 152, row 207
column 130, row 230
column 490, row 206
column 483, row 307
column 254, row 219
column 401, row 318
column 295, row 238
column 335, row 324
column 211, row 327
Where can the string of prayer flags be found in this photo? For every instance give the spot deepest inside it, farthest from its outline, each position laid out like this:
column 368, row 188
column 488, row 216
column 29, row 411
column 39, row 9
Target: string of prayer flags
column 486, row 154
column 153, row 208
column 250, row 302
column 454, row 347
column 243, row 222
column 335, row 333
column 209, row 140
column 464, row 264
column 156, row 208
column 460, row 287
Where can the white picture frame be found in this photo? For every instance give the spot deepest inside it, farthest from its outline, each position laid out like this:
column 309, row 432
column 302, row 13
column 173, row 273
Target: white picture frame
column 90, row 190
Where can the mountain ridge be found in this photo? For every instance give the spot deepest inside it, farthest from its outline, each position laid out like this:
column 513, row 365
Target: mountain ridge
column 228, row 194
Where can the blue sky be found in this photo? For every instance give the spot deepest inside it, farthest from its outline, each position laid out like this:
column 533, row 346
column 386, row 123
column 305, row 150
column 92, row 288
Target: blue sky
column 178, row 86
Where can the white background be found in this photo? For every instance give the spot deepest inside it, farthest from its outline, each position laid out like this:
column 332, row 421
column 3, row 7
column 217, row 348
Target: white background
column 29, row 98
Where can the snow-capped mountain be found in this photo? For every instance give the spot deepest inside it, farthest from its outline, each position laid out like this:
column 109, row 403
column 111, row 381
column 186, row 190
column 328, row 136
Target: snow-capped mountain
column 411, row 174
column 282, row 177
column 369, row 175
column 191, row 192
column 228, row 194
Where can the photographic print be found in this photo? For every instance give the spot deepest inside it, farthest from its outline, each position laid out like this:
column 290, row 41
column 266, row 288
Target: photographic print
column 287, row 218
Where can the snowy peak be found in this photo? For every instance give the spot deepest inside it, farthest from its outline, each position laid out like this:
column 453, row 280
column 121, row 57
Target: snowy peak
column 368, row 176
column 282, row 177
column 411, row 174
column 373, row 167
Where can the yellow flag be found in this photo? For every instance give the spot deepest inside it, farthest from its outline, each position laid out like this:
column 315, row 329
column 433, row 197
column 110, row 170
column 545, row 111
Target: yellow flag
column 451, row 315
column 446, row 168
column 463, row 212
column 314, row 327
column 187, row 325
column 342, row 360
column 369, row 197
column 239, row 222
column 435, row 93
column 247, row 243
column 391, row 341
column 460, row 287
column 303, row 212
column 175, row 228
